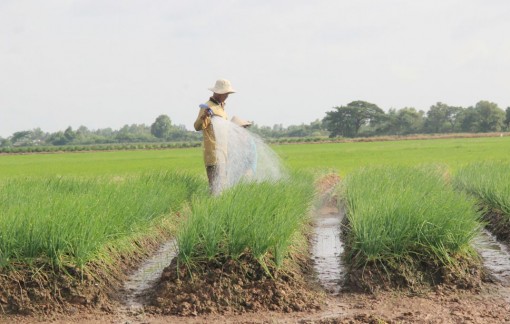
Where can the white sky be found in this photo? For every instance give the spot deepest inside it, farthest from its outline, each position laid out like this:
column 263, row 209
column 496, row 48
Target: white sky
column 108, row 63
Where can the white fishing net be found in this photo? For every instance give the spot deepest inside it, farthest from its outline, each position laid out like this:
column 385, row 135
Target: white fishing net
column 242, row 156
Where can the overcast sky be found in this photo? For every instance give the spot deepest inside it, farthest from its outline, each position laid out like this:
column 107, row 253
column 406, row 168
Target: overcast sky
column 109, row 63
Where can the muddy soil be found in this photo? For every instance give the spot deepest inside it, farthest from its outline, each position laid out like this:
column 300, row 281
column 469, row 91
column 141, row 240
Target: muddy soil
column 489, row 305
column 498, row 224
column 43, row 291
column 232, row 286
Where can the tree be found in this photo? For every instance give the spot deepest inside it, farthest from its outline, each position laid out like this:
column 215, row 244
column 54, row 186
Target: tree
column 468, row 119
column 20, row 138
column 491, row 117
column 5, row 142
column 161, row 127
column 347, row 120
column 58, row 138
column 452, row 116
column 437, row 118
column 507, row 119
column 69, row 134
column 409, row 121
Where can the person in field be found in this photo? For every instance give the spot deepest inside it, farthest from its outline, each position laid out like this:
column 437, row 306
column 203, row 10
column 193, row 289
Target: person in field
column 215, row 106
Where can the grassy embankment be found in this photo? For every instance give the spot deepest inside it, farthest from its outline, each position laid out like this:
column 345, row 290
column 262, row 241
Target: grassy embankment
column 489, row 182
column 407, row 226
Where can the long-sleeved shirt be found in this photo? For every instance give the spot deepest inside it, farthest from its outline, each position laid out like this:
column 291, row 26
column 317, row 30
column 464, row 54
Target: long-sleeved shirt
column 206, row 126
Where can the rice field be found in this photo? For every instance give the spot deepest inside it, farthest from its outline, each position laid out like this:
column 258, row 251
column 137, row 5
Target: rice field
column 342, row 157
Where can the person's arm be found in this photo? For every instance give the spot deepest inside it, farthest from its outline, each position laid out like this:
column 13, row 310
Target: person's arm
column 203, row 120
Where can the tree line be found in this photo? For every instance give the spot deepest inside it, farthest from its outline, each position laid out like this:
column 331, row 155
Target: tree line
column 361, row 118
column 162, row 130
column 356, row 119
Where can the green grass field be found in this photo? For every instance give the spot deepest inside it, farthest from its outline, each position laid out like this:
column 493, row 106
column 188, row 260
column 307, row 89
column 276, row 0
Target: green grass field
column 343, row 157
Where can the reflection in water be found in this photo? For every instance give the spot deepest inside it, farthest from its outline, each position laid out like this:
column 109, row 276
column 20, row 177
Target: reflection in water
column 148, row 273
column 496, row 256
column 327, row 249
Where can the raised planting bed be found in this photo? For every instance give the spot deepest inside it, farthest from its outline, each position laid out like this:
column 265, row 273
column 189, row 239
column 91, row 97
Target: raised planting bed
column 406, row 227
column 68, row 240
column 244, row 250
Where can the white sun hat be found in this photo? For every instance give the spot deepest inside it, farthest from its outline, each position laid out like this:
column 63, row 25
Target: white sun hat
column 222, row 86
column 241, row 122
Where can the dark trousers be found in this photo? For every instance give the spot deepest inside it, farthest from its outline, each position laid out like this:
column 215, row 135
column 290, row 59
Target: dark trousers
column 212, row 176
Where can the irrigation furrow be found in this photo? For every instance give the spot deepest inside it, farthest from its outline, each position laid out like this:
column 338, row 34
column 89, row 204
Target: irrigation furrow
column 496, row 256
column 147, row 275
column 327, row 249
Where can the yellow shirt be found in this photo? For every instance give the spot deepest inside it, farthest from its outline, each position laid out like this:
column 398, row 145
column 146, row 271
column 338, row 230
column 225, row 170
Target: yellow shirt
column 206, row 126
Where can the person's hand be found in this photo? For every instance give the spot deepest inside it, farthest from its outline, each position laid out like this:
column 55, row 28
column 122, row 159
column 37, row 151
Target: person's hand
column 208, row 111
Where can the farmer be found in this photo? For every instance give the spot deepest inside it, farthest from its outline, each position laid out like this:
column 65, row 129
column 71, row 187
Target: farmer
column 214, row 107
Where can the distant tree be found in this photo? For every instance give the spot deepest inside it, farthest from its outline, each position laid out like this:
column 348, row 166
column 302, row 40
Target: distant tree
column 452, row 116
column 57, row 138
column 37, row 135
column 69, row 134
column 468, row 120
column 104, row 132
column 409, row 121
column 5, row 142
column 20, row 138
column 161, row 127
column 347, row 120
column 401, row 122
column 437, row 118
column 277, row 127
column 491, row 117
column 507, row 119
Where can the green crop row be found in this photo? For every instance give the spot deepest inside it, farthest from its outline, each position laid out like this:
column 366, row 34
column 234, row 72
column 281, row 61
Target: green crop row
column 70, row 220
column 102, row 147
column 489, row 181
column 261, row 219
column 397, row 214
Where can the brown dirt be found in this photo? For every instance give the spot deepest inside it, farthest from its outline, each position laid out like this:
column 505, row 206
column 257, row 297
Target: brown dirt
column 326, row 184
column 489, row 305
column 40, row 291
column 44, row 291
column 232, row 286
